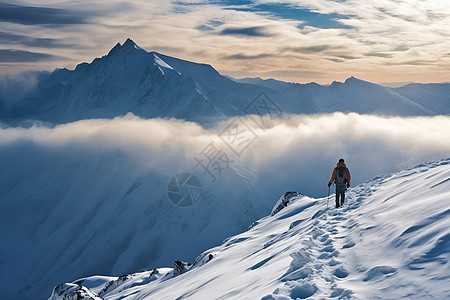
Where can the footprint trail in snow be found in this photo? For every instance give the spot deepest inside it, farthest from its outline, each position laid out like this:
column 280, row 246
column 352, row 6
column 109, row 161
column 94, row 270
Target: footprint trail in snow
column 316, row 270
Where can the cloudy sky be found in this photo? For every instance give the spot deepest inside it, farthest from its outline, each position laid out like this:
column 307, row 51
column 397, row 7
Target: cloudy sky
column 292, row 40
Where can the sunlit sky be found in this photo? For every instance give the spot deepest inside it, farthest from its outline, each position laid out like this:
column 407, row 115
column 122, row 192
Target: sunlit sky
column 291, row 40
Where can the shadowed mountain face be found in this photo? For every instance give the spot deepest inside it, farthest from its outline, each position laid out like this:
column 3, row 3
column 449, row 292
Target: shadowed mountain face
column 128, row 79
column 149, row 84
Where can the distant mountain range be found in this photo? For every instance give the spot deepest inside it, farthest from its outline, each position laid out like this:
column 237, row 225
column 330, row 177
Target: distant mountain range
column 150, row 84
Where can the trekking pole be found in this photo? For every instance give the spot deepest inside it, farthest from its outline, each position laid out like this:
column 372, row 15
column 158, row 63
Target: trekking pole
column 328, row 197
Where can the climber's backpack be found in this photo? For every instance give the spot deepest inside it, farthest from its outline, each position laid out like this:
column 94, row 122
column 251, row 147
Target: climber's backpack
column 341, row 175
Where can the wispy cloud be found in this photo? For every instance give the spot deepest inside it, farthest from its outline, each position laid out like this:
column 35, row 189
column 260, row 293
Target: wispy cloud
column 248, row 56
column 375, row 40
column 32, row 15
column 379, row 54
column 8, row 38
column 12, row 55
column 311, row 49
column 246, row 31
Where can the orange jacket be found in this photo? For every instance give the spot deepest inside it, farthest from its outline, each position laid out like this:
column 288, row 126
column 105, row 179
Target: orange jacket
column 347, row 172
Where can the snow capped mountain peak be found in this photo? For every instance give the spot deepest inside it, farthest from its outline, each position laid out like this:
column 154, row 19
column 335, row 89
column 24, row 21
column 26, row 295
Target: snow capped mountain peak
column 129, row 43
column 125, row 48
column 127, row 79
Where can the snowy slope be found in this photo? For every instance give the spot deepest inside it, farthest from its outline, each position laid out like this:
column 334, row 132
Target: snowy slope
column 391, row 240
column 150, row 84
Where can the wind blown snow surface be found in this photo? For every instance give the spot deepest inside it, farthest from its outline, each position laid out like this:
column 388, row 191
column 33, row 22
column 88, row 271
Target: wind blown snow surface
column 90, row 197
column 391, row 240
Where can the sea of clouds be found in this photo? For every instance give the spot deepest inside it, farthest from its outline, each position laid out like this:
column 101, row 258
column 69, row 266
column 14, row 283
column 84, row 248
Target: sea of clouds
column 297, row 152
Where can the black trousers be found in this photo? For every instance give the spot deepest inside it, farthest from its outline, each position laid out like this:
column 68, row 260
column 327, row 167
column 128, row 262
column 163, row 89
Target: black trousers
column 340, row 196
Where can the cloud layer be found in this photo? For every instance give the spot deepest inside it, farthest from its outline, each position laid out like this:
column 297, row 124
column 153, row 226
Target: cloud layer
column 8, row 55
column 296, row 153
column 32, row 15
column 296, row 40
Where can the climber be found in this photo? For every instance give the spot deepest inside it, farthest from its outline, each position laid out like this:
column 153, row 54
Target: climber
column 341, row 177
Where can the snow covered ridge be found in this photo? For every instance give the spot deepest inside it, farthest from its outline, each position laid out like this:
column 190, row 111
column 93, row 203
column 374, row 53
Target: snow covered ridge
column 151, row 84
column 391, row 240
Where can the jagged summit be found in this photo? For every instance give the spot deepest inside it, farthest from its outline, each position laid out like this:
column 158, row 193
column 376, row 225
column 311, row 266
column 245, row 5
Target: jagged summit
column 128, row 45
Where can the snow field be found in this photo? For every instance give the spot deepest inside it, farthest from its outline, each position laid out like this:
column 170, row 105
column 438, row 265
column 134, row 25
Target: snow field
column 390, row 240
